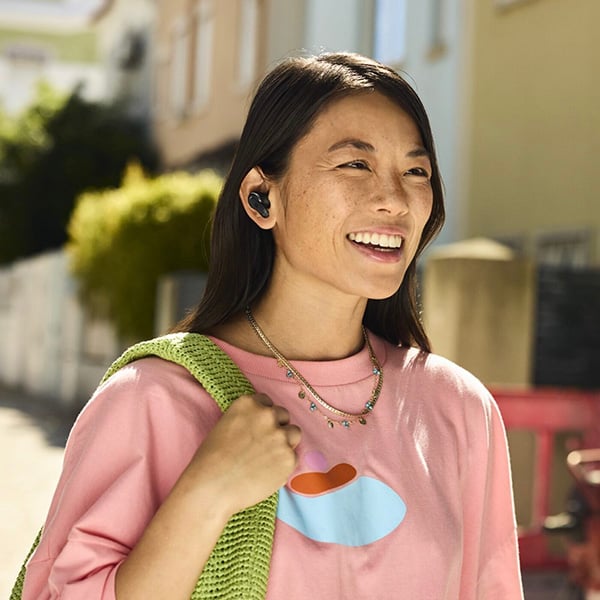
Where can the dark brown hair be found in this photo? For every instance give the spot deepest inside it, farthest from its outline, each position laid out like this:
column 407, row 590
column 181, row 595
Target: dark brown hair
column 285, row 106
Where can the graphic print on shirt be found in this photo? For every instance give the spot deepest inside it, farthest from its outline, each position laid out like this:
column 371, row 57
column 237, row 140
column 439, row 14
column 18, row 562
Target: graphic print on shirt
column 337, row 506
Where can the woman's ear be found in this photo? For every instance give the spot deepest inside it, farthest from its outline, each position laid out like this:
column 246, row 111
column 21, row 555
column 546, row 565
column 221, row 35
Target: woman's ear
column 254, row 196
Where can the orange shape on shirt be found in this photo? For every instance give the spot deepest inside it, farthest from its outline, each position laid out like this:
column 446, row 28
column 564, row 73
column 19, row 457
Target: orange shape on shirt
column 316, row 482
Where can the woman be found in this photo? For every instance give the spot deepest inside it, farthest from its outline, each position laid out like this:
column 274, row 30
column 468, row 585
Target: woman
column 392, row 462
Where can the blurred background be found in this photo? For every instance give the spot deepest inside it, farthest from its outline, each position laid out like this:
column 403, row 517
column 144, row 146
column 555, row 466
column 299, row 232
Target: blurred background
column 118, row 121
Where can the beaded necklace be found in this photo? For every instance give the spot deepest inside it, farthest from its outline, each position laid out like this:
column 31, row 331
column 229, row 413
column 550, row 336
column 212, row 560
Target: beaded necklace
column 316, row 403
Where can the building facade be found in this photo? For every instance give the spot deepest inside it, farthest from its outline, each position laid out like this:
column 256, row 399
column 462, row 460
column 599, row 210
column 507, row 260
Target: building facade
column 51, row 41
column 191, row 66
column 207, row 55
column 509, row 86
column 535, row 128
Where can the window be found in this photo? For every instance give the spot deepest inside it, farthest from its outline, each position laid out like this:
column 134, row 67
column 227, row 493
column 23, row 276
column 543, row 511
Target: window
column 23, row 65
column 571, row 249
column 248, row 39
column 203, row 56
column 179, row 67
column 160, row 92
column 389, row 44
column 436, row 40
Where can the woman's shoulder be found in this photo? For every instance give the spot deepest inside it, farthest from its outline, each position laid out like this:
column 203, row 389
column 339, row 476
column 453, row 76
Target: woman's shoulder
column 442, row 392
column 434, row 373
column 150, row 388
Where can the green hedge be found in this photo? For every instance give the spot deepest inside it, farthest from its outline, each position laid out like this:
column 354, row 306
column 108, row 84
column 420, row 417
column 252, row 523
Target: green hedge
column 53, row 151
column 123, row 240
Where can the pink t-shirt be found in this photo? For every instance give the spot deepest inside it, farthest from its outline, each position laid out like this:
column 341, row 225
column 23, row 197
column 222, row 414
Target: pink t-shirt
column 416, row 504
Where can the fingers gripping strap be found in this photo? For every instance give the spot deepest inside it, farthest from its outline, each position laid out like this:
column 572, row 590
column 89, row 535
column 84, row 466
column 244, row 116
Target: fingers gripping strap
column 238, row 567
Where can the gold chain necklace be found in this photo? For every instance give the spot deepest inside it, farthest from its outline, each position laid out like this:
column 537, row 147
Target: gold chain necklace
column 316, row 403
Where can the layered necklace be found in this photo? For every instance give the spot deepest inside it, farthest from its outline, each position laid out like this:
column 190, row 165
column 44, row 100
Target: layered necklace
column 316, row 403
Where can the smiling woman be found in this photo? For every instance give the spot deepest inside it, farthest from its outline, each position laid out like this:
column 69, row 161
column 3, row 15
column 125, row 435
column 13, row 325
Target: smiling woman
column 360, row 171
column 391, row 463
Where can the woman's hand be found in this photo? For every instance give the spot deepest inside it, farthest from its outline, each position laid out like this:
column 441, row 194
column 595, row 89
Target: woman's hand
column 248, row 455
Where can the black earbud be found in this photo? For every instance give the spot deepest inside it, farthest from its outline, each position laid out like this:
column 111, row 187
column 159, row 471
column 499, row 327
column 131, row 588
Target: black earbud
column 259, row 201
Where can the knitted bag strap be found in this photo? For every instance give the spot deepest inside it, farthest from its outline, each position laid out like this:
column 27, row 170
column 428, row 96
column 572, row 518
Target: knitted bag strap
column 238, row 567
column 17, row 590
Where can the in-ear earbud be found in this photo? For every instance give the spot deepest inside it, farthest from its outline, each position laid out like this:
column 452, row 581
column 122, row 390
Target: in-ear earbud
column 259, row 201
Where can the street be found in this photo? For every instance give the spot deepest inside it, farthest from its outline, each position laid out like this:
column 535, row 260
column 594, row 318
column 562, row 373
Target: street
column 32, row 437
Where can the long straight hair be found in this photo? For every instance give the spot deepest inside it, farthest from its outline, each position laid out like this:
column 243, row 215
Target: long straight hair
column 283, row 110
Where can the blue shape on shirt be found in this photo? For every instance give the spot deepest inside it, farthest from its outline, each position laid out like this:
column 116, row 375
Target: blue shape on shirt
column 356, row 515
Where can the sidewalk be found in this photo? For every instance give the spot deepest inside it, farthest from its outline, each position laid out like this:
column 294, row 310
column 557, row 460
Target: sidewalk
column 33, row 432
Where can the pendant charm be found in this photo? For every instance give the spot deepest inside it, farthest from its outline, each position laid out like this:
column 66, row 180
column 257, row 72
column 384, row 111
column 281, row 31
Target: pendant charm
column 343, row 418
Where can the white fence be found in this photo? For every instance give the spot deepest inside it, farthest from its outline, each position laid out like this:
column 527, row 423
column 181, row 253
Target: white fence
column 49, row 346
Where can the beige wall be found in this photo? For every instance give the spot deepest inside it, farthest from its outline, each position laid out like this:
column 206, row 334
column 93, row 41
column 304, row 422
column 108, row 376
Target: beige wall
column 535, row 119
column 183, row 137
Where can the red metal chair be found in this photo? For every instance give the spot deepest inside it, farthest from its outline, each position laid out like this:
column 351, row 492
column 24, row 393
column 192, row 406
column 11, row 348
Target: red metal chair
column 546, row 414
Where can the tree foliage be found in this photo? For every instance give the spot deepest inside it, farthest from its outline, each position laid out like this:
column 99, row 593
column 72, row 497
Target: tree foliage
column 123, row 240
column 50, row 153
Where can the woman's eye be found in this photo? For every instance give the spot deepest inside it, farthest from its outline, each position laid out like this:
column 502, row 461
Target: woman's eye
column 418, row 171
column 356, row 164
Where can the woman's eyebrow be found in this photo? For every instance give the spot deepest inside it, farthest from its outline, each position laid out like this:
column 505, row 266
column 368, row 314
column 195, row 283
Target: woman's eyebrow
column 352, row 143
column 367, row 147
column 418, row 152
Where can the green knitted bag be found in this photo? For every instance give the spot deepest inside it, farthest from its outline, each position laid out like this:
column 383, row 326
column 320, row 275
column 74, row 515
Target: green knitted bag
column 238, row 567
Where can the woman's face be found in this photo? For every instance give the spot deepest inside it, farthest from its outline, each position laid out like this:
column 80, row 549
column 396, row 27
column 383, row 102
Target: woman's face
column 353, row 202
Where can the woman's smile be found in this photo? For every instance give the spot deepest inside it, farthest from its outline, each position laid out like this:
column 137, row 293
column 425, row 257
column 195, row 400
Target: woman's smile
column 381, row 241
column 380, row 247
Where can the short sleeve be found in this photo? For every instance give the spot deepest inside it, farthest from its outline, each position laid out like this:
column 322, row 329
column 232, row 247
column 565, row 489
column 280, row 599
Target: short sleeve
column 126, row 451
column 490, row 529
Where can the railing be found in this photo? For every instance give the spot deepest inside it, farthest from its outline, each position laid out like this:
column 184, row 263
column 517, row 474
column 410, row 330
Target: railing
column 559, row 421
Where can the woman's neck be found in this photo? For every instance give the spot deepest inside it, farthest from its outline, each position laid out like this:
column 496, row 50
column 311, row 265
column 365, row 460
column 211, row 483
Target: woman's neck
column 301, row 329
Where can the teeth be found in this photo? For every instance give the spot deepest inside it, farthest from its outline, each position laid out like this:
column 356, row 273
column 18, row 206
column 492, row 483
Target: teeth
column 383, row 240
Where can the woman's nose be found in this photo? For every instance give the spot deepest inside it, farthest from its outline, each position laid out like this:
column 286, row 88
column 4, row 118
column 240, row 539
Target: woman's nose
column 393, row 199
